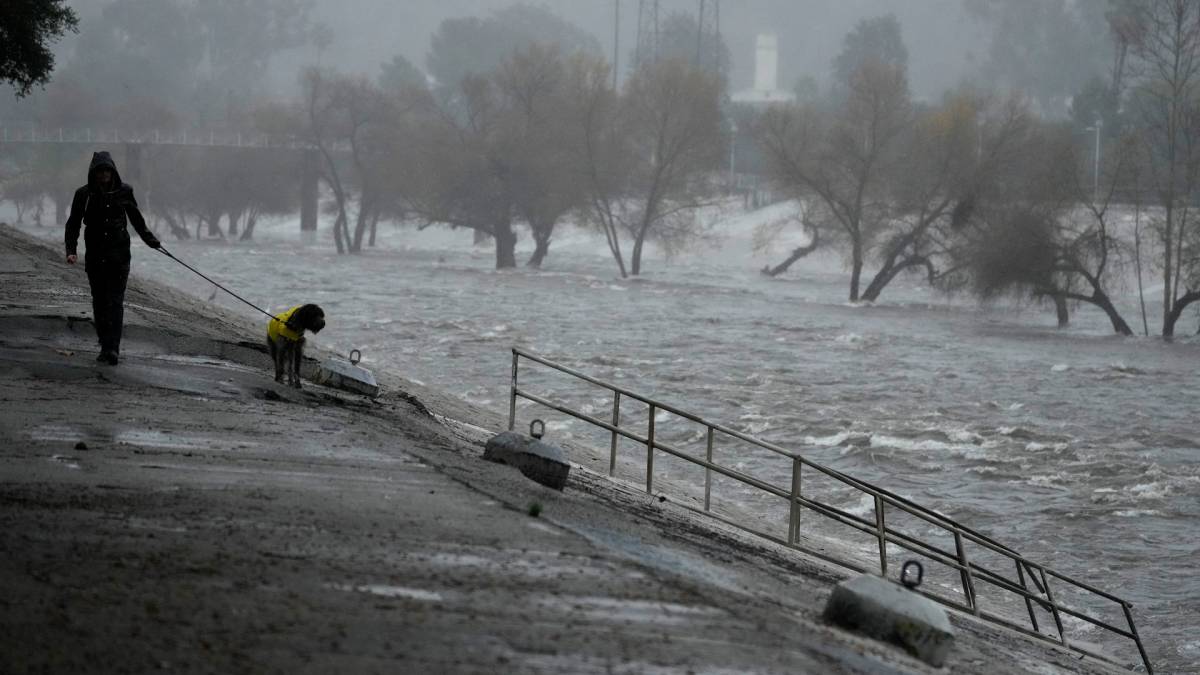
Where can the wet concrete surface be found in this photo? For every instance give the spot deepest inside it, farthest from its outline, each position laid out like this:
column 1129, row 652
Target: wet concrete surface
column 182, row 512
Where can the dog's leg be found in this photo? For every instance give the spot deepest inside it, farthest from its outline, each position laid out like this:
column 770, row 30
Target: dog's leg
column 285, row 360
column 297, row 357
column 277, row 359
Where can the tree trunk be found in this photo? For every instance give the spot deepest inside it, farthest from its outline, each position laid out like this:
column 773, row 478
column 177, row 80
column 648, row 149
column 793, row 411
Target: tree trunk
column 635, row 258
column 1172, row 317
column 361, row 221
column 1103, row 302
column 366, row 212
column 506, row 244
column 178, row 229
column 541, row 247
column 337, row 231
column 1098, row 298
column 880, row 282
column 1062, row 311
column 614, row 245
column 374, row 226
column 214, row 225
column 855, row 271
column 1168, row 239
column 796, row 254
column 61, row 207
column 248, row 231
column 1137, row 252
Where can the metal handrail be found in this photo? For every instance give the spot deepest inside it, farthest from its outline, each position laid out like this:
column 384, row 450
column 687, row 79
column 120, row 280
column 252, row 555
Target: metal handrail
column 970, row 572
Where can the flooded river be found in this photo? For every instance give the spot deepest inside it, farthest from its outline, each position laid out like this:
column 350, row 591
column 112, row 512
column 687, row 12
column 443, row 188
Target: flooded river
column 1078, row 448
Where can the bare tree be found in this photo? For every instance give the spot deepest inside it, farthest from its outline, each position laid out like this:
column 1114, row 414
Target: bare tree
column 1165, row 98
column 841, row 158
column 351, row 114
column 323, row 127
column 767, row 233
column 1042, row 233
column 459, row 172
column 601, row 150
column 646, row 156
column 532, row 87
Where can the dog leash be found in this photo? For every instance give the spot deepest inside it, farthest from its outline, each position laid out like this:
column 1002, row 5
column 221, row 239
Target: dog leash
column 164, row 251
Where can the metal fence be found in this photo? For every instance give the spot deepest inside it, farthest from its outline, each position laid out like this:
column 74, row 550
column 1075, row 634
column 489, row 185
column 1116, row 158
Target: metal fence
column 1031, row 585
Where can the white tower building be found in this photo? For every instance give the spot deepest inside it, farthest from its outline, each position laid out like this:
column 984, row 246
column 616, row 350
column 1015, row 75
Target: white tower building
column 766, row 74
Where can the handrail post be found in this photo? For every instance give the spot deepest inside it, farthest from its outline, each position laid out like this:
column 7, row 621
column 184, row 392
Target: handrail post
column 794, row 512
column 616, row 420
column 512, row 395
column 1137, row 638
column 650, row 451
column 708, row 472
column 1062, row 635
column 968, row 583
column 881, row 531
column 1028, row 602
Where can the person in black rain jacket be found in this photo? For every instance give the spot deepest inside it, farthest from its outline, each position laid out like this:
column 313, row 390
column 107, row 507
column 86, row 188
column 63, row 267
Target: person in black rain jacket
column 104, row 206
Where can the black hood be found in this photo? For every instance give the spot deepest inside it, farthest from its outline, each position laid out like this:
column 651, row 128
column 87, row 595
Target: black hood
column 103, row 160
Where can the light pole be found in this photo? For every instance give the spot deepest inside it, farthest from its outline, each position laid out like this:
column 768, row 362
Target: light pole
column 732, row 145
column 1096, row 161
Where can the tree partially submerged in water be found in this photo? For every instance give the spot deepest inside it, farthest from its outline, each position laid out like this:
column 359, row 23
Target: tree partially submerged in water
column 532, row 84
column 459, row 172
column 882, row 180
column 1045, row 238
column 646, row 154
column 1163, row 37
column 362, row 133
column 493, row 153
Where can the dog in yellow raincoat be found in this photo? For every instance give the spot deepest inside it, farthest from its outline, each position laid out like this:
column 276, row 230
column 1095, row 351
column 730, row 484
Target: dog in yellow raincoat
column 285, row 339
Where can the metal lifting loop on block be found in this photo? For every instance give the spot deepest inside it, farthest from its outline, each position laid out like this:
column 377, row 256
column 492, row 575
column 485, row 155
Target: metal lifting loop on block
column 904, row 578
column 355, row 357
column 537, row 429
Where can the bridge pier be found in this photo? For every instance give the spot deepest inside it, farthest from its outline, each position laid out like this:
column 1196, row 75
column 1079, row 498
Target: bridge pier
column 309, row 170
column 62, row 205
column 132, row 171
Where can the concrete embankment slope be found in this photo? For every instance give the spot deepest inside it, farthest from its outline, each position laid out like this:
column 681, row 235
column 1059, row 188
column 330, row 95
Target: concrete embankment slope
column 182, row 512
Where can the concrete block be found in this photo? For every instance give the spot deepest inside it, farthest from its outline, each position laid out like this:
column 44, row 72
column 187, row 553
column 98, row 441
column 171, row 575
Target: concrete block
column 349, row 376
column 887, row 611
column 541, row 462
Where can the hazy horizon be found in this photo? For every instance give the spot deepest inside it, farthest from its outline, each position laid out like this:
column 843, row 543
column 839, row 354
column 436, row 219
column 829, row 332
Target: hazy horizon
column 939, row 34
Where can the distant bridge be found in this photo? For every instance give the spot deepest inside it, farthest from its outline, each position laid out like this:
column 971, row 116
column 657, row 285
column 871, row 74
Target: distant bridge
column 134, row 141
column 211, row 138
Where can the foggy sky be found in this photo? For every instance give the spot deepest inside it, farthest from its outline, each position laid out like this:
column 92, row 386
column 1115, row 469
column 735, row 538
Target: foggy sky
column 937, row 32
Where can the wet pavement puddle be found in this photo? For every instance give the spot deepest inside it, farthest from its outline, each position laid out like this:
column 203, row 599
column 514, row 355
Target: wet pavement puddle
column 389, row 591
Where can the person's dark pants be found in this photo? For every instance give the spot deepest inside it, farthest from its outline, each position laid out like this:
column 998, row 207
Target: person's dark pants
column 108, row 279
